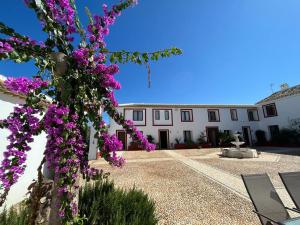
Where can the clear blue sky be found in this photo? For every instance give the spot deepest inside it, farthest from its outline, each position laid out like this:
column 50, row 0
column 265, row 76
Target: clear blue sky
column 233, row 49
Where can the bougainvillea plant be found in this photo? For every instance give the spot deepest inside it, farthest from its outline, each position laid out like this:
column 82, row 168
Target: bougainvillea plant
column 76, row 71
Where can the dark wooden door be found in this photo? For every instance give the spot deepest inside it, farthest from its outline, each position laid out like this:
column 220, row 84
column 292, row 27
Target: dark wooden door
column 122, row 137
column 163, row 139
column 212, row 136
column 247, row 136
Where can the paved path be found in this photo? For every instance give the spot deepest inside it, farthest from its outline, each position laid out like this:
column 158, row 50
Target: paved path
column 231, row 182
column 103, row 162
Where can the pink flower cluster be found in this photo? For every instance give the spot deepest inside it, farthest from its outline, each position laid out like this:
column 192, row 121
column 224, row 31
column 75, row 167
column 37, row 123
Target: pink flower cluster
column 138, row 136
column 24, row 85
column 111, row 145
column 65, row 153
column 27, row 42
column 63, row 13
column 100, row 28
column 5, row 47
column 81, row 56
column 22, row 124
column 108, row 81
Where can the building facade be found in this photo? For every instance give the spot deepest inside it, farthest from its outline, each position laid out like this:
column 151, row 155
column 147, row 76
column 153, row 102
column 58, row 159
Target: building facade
column 172, row 123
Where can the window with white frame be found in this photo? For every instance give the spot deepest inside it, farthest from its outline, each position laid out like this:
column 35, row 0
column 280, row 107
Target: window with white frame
column 233, row 114
column 138, row 115
column 186, row 115
column 270, row 110
column 187, row 136
column 167, row 115
column 253, row 115
column 213, row 115
column 157, row 114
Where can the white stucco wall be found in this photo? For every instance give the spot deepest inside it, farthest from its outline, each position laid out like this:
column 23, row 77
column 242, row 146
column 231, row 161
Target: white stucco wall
column 199, row 124
column 162, row 120
column 18, row 191
column 288, row 108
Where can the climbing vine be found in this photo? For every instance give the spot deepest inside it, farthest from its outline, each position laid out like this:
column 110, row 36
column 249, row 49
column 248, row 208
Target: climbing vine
column 76, row 79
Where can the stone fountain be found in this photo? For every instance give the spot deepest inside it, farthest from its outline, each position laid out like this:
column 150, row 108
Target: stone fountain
column 237, row 151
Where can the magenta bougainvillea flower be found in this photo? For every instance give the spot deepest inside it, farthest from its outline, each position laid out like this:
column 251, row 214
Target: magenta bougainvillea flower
column 24, row 85
column 81, row 83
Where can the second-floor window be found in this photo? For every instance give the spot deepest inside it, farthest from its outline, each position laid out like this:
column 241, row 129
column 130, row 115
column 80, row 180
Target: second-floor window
column 253, row 115
column 138, row 115
column 233, row 114
column 167, row 115
column 213, row 115
column 186, row 115
column 157, row 114
column 269, row 110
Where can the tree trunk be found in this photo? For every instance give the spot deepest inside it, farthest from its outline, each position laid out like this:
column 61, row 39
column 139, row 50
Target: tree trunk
column 49, row 212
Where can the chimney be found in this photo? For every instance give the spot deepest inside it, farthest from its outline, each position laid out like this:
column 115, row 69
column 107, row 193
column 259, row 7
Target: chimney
column 284, row 86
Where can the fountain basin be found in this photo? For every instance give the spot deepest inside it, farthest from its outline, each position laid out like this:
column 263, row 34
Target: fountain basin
column 239, row 153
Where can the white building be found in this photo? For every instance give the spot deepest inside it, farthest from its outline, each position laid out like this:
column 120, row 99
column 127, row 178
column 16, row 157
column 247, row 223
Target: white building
column 280, row 110
column 168, row 122
column 8, row 100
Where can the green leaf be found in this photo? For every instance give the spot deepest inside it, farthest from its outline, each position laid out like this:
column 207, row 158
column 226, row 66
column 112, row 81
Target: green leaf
column 88, row 13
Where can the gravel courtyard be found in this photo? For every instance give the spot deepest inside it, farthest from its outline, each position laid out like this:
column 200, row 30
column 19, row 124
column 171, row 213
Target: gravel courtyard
column 183, row 195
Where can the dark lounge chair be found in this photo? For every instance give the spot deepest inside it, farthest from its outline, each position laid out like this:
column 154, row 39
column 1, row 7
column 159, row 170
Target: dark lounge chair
column 291, row 182
column 268, row 206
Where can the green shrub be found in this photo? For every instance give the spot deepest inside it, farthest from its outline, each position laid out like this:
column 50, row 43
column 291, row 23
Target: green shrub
column 18, row 215
column 287, row 137
column 150, row 138
column 202, row 139
column 104, row 204
column 225, row 139
column 100, row 203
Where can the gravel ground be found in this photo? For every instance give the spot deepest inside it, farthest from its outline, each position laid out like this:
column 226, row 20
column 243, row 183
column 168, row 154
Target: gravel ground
column 183, row 196
column 144, row 154
column 197, row 152
column 286, row 163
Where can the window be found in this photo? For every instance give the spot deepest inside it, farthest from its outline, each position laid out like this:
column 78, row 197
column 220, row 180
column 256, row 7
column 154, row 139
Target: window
column 167, row 115
column 233, row 114
column 213, row 115
column 186, row 116
column 137, row 115
column 269, row 110
column 274, row 131
column 187, row 136
column 157, row 115
column 253, row 115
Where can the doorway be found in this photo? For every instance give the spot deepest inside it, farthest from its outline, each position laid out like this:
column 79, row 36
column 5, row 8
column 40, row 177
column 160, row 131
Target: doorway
column 163, row 139
column 121, row 135
column 274, row 132
column 247, row 136
column 212, row 136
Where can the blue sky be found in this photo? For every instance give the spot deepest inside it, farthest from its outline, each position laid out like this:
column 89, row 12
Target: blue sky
column 233, row 49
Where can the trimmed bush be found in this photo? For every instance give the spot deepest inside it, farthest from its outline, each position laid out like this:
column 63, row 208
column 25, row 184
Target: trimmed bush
column 101, row 203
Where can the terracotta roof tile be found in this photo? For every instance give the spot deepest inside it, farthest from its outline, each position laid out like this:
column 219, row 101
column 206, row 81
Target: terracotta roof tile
column 281, row 94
